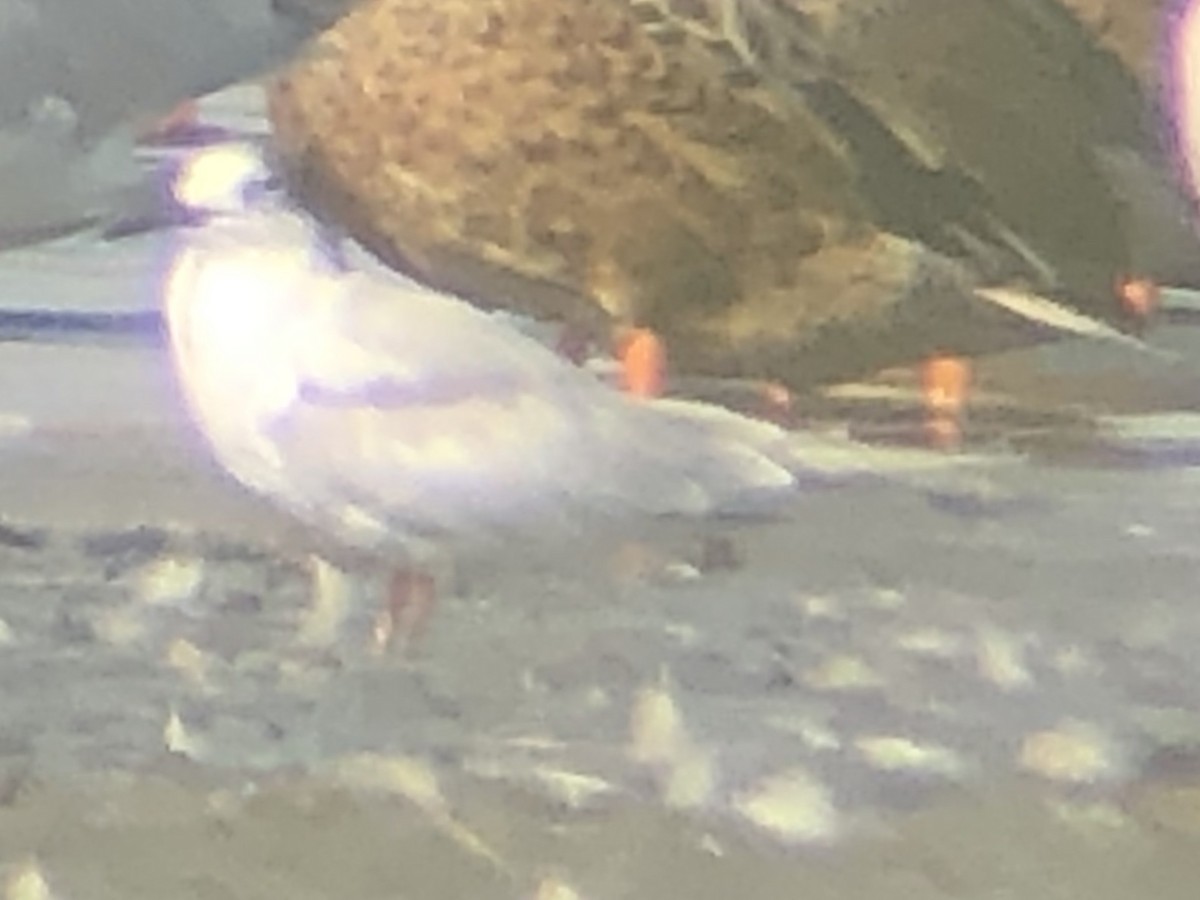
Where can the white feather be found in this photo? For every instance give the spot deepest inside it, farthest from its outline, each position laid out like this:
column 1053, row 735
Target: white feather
column 331, row 390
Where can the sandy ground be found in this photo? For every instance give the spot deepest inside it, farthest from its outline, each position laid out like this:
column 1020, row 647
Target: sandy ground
column 978, row 681
column 969, row 677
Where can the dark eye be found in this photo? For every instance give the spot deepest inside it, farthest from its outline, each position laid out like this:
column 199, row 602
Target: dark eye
column 254, row 192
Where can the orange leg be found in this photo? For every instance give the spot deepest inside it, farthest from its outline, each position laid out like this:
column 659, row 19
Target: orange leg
column 945, row 386
column 409, row 605
column 643, row 357
column 1138, row 298
column 777, row 403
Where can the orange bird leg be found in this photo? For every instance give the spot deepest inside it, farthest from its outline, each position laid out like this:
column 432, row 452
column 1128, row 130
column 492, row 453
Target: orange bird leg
column 643, row 358
column 409, row 605
column 1138, row 298
column 776, row 402
column 945, row 386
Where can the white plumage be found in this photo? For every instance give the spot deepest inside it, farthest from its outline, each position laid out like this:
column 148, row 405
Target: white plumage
column 401, row 420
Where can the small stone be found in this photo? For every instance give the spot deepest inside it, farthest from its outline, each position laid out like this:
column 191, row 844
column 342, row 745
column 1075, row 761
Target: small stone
column 169, row 581
column 191, row 662
column 898, row 754
column 932, row 643
column 120, row 626
column 887, row 599
column 820, row 607
column 572, row 789
column 1095, row 818
column 1001, row 660
column 843, row 673
column 555, row 889
column 415, row 781
column 659, row 738
column 679, row 571
column 792, row 806
column 26, row 882
column 815, row 735
column 403, row 776
column 179, row 741
column 690, row 778
column 657, row 732
column 1074, row 752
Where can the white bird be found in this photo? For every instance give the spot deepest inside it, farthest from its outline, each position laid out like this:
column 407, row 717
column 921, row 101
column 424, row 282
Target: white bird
column 78, row 78
column 405, row 423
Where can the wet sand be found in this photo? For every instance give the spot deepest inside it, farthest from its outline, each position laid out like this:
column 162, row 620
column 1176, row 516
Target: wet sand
column 981, row 612
column 185, row 836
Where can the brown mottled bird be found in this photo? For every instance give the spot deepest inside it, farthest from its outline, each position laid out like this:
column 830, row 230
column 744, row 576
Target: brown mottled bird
column 794, row 190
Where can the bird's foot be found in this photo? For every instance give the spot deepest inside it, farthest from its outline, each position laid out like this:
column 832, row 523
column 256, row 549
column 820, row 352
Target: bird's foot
column 945, row 390
column 643, row 358
column 408, row 606
column 1139, row 300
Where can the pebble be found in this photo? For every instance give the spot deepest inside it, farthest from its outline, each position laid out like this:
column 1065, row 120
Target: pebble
column 1074, row 752
column 169, row 581
column 555, row 889
column 120, row 626
column 573, row 789
column 689, row 780
column 194, row 664
column 932, row 643
column 820, row 607
column 659, row 739
column 26, row 882
column 815, row 735
column 791, row 806
column 657, row 732
column 843, row 673
column 899, row 754
column 181, row 742
column 1001, row 659
column 399, row 775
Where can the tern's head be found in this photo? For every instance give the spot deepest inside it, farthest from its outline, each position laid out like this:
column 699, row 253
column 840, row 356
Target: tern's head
column 224, row 178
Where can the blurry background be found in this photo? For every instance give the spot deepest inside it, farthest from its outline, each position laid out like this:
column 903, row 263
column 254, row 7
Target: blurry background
column 989, row 669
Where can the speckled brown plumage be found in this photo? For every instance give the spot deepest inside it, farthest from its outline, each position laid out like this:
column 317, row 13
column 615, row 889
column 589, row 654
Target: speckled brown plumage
column 691, row 166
